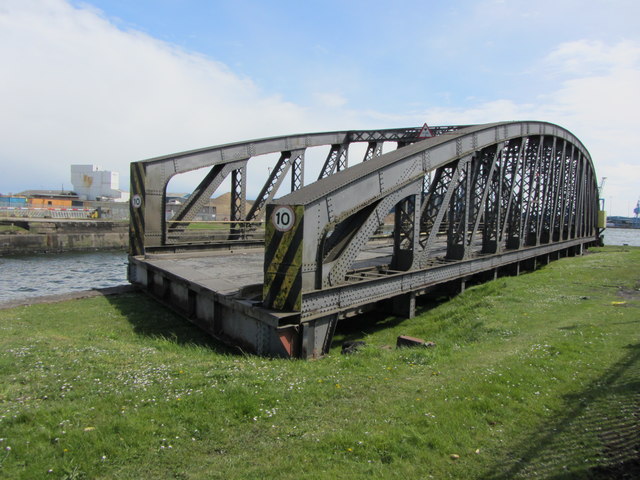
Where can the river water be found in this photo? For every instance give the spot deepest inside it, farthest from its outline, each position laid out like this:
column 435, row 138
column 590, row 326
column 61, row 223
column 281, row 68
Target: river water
column 23, row 277
column 622, row 236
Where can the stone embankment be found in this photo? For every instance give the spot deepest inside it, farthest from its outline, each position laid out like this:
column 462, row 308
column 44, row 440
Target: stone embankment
column 52, row 236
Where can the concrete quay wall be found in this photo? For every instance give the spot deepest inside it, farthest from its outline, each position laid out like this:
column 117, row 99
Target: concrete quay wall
column 64, row 236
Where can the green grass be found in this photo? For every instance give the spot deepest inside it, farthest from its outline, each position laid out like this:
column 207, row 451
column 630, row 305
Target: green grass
column 217, row 226
column 207, row 226
column 12, row 229
column 533, row 376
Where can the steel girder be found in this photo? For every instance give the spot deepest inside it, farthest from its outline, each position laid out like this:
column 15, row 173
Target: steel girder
column 478, row 189
column 149, row 178
column 465, row 202
column 201, row 195
column 495, row 187
column 352, row 296
column 337, row 160
column 293, row 160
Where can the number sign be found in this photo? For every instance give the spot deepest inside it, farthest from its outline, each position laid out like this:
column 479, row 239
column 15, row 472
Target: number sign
column 283, row 218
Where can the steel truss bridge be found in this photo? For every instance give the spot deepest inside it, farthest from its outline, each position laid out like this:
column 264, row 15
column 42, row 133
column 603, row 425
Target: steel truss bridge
column 465, row 202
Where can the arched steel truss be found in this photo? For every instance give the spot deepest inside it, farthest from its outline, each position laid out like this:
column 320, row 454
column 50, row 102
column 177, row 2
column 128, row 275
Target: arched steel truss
column 150, row 229
column 484, row 190
column 464, row 201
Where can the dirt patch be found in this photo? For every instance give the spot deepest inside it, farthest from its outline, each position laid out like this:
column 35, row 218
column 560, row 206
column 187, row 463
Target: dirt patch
column 629, row 294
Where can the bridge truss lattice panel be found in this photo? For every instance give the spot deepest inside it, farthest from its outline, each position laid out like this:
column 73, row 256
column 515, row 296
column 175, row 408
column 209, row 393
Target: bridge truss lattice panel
column 466, row 201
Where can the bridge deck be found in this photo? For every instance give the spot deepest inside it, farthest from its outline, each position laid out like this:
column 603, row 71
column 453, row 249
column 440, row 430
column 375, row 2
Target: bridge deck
column 226, row 273
column 239, row 272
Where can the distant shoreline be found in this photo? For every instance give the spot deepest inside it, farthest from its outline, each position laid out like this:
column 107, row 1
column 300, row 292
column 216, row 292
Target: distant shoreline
column 25, row 236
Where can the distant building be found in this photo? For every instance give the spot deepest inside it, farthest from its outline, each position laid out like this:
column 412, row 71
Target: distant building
column 13, row 201
column 51, row 198
column 90, row 182
column 623, row 222
column 175, row 202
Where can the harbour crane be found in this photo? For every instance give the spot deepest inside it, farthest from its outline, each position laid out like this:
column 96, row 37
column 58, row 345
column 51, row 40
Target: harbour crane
column 600, row 189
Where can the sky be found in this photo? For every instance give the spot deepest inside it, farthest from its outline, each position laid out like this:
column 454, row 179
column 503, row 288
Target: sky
column 108, row 82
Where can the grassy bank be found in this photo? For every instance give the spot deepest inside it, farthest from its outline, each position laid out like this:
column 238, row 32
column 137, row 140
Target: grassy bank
column 532, row 376
column 12, row 229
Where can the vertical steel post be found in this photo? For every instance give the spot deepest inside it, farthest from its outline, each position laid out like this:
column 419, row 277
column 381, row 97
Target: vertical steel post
column 238, row 202
column 282, row 289
column 137, row 207
column 297, row 171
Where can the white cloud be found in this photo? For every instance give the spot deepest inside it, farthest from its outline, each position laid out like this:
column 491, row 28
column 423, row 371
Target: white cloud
column 75, row 89
column 600, row 105
column 595, row 96
column 592, row 57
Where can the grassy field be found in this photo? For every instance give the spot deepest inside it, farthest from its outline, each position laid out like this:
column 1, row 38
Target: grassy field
column 207, row 226
column 218, row 225
column 535, row 376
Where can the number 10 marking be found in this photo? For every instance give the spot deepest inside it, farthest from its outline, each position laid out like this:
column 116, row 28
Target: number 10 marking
column 283, row 218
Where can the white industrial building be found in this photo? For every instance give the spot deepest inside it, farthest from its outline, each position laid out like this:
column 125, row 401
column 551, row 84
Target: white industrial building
column 92, row 183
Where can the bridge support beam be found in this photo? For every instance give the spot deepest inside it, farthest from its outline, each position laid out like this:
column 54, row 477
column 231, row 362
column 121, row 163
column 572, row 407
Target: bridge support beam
column 317, row 336
column 406, row 233
column 238, row 202
column 530, row 264
column 289, row 160
column 201, row 196
column 337, row 160
column 404, row 305
column 374, row 149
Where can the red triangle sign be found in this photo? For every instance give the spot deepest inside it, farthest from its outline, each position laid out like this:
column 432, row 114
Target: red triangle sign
column 425, row 132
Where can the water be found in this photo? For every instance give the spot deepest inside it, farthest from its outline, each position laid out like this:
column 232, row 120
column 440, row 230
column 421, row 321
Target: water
column 23, row 277
column 621, row 236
